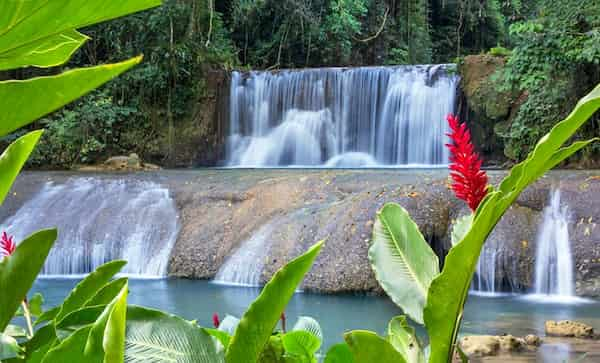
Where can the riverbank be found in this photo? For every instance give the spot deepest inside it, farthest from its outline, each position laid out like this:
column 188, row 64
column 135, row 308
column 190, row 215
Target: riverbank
column 220, row 209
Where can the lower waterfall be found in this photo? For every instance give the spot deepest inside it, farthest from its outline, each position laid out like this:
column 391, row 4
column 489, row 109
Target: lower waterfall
column 100, row 220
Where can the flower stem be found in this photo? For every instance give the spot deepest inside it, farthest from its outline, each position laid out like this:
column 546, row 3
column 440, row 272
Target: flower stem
column 28, row 319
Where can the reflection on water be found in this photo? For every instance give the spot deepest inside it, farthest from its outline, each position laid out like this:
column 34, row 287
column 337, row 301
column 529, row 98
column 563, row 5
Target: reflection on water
column 336, row 313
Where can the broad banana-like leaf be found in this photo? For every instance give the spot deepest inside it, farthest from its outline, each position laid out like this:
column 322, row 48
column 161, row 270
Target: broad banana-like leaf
column 19, row 271
column 89, row 287
column 368, row 347
column 48, row 52
column 229, row 324
column 13, row 159
column 153, row 336
column 403, row 262
column 302, row 345
column 107, row 293
column 448, row 292
column 257, row 324
column 100, row 342
column 306, row 323
column 403, row 337
column 339, row 353
column 42, row 33
column 460, row 228
column 50, row 93
column 15, row 331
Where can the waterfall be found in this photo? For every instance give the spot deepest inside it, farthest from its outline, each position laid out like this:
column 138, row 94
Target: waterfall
column 100, row 220
column 485, row 277
column 244, row 267
column 553, row 260
column 341, row 117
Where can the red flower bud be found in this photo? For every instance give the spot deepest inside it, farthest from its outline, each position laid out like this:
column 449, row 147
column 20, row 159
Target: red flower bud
column 7, row 246
column 216, row 321
column 469, row 181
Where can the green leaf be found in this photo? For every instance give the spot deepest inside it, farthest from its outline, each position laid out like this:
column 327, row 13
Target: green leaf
column 403, row 262
column 9, row 348
column 13, row 159
column 19, row 271
column 36, row 25
column 339, row 353
column 89, row 287
column 47, row 315
column 35, row 305
column 460, row 228
column 48, row 52
column 306, row 323
column 229, row 324
column 77, row 320
column 107, row 293
column 258, row 322
column 222, row 337
column 448, row 292
column 37, row 347
column 368, row 347
column 302, row 344
column 50, row 93
column 403, row 337
column 153, row 336
column 100, row 342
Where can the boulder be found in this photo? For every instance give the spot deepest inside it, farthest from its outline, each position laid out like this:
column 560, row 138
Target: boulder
column 568, row 329
column 480, row 345
column 490, row 345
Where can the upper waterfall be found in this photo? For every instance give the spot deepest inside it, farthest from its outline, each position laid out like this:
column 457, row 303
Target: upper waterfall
column 100, row 220
column 341, row 117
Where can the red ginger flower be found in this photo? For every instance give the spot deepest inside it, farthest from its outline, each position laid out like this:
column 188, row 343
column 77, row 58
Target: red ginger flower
column 469, row 181
column 216, row 321
column 7, row 246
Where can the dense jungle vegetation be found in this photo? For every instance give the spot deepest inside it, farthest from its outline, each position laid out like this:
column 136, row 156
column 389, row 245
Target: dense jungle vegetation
column 163, row 101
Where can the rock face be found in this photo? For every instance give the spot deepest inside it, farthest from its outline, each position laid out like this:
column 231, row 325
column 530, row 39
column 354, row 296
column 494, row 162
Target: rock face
column 220, row 209
column 568, row 329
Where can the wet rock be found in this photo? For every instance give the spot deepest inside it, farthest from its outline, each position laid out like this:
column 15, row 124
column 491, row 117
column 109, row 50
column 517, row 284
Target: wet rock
column 568, row 329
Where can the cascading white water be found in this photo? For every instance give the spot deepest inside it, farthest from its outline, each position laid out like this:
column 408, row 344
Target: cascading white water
column 554, row 261
column 100, row 220
column 341, row 117
column 485, row 277
column 244, row 267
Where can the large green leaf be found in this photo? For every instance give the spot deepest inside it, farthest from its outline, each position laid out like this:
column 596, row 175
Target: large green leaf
column 460, row 228
column 51, row 93
column 27, row 25
column 339, row 353
column 153, row 336
column 368, row 347
column 13, row 159
column 19, row 271
column 403, row 337
column 448, row 292
column 403, row 262
column 257, row 324
column 48, row 52
column 301, row 345
column 89, row 287
column 100, row 342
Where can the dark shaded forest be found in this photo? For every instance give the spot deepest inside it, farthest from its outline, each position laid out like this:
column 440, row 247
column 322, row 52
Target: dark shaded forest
column 549, row 50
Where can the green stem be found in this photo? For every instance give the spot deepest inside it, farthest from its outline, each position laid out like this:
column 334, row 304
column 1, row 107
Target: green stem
column 28, row 319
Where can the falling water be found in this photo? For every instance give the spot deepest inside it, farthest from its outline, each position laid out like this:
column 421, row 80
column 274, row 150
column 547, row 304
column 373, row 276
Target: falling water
column 340, row 117
column 485, row 277
column 100, row 220
column 245, row 266
column 553, row 261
